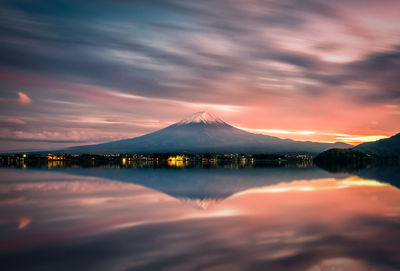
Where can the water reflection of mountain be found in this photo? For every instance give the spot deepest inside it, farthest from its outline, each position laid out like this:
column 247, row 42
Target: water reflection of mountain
column 202, row 184
column 204, row 187
column 383, row 173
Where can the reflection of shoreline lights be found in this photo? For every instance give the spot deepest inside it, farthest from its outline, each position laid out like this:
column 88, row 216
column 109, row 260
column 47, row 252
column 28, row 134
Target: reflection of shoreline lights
column 307, row 186
column 56, row 163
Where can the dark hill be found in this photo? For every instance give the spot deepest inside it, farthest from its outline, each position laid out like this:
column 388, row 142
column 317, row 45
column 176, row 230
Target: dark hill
column 336, row 160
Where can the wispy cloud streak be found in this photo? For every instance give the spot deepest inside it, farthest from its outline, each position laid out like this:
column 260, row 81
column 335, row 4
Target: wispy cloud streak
column 267, row 64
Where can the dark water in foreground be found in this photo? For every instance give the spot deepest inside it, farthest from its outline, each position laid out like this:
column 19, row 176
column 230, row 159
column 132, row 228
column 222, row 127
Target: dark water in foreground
column 277, row 218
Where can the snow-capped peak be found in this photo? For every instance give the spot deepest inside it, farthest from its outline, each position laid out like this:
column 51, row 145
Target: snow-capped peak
column 201, row 117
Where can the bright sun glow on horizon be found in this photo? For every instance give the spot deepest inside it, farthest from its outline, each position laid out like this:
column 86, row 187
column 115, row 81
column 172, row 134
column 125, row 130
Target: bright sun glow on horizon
column 317, row 135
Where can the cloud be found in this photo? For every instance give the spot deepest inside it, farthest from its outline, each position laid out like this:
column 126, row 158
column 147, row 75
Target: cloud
column 372, row 79
column 23, row 222
column 251, row 60
column 23, row 99
column 13, row 122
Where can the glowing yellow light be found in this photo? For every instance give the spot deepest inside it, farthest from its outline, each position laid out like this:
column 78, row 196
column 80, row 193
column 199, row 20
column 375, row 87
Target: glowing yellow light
column 179, row 158
column 360, row 139
column 356, row 181
column 276, row 131
column 171, row 162
column 177, row 161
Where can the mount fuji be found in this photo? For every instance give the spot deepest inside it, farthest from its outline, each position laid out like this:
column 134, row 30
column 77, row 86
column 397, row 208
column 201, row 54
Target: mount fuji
column 203, row 132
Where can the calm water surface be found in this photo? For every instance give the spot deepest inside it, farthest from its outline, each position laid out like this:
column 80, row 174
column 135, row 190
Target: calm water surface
column 199, row 219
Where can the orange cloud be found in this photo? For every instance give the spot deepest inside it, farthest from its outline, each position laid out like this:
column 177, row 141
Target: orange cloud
column 320, row 136
column 23, row 222
column 23, row 99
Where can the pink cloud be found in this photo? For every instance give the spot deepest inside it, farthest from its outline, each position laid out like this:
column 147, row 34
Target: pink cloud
column 12, row 121
column 23, row 222
column 23, row 99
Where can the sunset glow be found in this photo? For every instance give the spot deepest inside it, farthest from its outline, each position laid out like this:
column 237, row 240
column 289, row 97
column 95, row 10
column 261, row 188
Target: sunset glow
column 321, row 184
column 317, row 136
column 313, row 71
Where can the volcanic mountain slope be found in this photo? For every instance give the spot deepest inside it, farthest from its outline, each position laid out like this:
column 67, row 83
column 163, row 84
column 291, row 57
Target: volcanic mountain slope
column 203, row 132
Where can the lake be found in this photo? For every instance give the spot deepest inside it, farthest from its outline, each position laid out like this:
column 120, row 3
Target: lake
column 199, row 218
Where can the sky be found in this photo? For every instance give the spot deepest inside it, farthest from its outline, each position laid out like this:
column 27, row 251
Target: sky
column 85, row 72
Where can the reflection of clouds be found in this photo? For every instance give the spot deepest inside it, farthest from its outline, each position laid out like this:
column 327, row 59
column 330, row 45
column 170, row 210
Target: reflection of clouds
column 23, row 222
column 219, row 243
column 94, row 224
column 220, row 213
column 201, row 204
column 313, row 185
column 340, row 264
